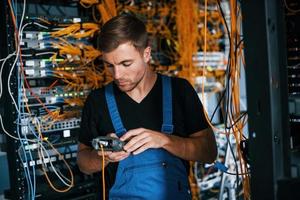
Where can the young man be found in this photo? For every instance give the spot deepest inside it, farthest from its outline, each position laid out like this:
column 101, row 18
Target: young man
column 160, row 118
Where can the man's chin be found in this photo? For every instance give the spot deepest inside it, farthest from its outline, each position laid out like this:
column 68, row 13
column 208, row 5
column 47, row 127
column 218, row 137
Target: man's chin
column 125, row 88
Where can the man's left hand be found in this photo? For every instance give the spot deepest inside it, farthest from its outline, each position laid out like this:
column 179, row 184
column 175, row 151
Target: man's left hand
column 141, row 139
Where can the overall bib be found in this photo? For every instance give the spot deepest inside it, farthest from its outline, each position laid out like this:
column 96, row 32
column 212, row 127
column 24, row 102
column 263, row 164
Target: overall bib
column 154, row 174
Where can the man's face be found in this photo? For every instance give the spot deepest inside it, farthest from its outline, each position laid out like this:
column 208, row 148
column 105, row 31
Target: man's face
column 127, row 65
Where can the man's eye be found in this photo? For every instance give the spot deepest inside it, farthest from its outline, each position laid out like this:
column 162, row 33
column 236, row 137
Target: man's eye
column 108, row 65
column 126, row 64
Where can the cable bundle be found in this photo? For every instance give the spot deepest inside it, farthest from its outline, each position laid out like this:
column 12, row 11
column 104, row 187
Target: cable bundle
column 187, row 31
column 106, row 8
column 83, row 53
column 78, row 30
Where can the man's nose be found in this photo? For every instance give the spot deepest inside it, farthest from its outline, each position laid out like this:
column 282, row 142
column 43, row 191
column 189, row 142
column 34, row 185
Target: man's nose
column 117, row 72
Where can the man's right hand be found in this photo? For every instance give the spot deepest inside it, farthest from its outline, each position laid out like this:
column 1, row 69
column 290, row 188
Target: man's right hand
column 114, row 156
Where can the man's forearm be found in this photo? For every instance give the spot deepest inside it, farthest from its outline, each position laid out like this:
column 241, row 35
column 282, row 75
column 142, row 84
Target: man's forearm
column 200, row 146
column 89, row 161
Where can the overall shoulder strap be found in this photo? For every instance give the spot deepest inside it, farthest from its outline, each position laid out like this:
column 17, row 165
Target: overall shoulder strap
column 167, row 126
column 113, row 110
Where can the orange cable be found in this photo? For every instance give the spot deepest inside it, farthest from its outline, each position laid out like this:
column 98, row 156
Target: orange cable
column 103, row 173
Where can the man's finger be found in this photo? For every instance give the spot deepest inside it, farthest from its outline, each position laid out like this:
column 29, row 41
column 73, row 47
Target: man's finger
column 134, row 140
column 132, row 147
column 119, row 156
column 112, row 135
column 105, row 153
column 142, row 148
column 131, row 133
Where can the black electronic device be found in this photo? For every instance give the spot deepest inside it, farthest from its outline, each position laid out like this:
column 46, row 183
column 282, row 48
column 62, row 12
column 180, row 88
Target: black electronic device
column 108, row 143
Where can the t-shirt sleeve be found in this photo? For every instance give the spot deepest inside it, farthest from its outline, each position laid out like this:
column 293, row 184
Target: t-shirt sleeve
column 87, row 129
column 195, row 119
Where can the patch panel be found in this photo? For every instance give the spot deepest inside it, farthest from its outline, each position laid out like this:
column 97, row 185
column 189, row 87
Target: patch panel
column 52, row 155
column 42, row 63
column 57, row 91
column 44, row 40
column 66, row 124
column 56, row 126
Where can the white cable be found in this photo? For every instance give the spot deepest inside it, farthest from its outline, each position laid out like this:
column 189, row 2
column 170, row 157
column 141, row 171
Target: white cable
column 40, row 25
column 52, row 167
column 2, row 66
column 20, row 35
column 10, row 135
column 60, row 173
column 3, row 59
column 39, row 139
column 50, row 161
column 21, row 31
column 5, row 131
column 22, row 18
column 8, row 80
column 45, row 53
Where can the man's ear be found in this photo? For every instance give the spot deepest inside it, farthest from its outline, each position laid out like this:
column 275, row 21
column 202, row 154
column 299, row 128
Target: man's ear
column 147, row 54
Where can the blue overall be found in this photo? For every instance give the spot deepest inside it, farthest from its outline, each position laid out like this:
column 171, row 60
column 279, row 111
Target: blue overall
column 154, row 174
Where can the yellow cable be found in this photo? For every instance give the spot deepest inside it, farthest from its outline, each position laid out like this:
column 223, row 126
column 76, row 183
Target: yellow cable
column 103, row 174
column 77, row 30
column 88, row 3
column 204, row 50
column 187, row 32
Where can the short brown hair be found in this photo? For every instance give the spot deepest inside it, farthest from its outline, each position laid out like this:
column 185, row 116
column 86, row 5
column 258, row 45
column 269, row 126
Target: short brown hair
column 121, row 29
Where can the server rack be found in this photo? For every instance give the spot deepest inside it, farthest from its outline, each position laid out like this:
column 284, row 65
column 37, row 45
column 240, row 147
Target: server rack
column 267, row 89
column 27, row 179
